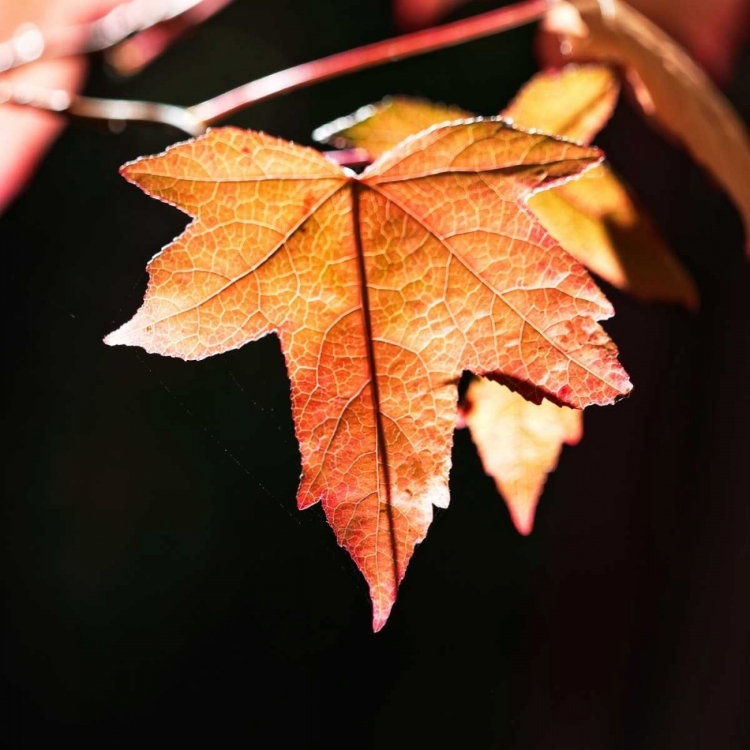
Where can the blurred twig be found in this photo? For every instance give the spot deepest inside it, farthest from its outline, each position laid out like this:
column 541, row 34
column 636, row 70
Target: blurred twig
column 194, row 120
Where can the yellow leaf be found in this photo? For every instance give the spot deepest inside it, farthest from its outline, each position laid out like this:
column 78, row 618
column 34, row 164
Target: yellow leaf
column 377, row 128
column 519, row 443
column 574, row 102
column 593, row 217
column 600, row 223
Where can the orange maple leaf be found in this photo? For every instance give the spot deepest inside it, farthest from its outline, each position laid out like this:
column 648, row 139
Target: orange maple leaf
column 383, row 288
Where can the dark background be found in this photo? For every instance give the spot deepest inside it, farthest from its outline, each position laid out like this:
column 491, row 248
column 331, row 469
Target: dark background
column 159, row 583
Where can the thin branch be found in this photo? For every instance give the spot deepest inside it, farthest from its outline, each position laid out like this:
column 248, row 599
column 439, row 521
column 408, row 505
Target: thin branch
column 124, row 111
column 194, row 120
column 369, row 56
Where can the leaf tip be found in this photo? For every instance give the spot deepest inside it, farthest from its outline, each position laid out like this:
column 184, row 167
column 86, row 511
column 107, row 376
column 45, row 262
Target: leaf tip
column 125, row 169
column 130, row 170
column 522, row 516
column 111, row 339
column 383, row 592
column 121, row 336
column 137, row 173
column 626, row 388
column 380, row 613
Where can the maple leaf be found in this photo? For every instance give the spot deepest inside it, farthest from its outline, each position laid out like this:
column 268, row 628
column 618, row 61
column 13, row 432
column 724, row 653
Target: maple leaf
column 669, row 86
column 383, row 288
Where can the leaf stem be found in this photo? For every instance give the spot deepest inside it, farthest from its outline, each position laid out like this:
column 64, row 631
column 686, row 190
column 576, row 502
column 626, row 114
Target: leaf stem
column 371, row 55
column 101, row 110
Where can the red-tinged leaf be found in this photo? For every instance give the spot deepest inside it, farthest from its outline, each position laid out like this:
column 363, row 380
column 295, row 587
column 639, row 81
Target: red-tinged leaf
column 26, row 134
column 669, row 86
column 54, row 30
column 383, row 288
column 519, row 443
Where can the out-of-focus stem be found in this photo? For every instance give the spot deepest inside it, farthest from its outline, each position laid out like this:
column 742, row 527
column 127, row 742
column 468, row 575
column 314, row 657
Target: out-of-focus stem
column 371, row 55
column 194, row 120
column 104, row 110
